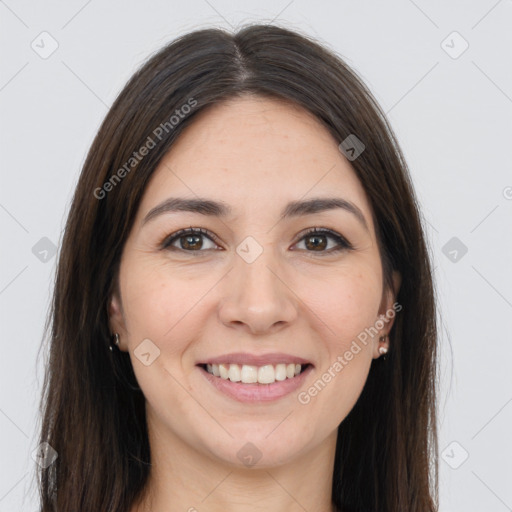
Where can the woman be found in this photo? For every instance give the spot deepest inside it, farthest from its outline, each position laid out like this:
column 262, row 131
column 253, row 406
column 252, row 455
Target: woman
column 243, row 248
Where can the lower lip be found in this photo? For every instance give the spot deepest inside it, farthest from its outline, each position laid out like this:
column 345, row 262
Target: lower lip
column 257, row 392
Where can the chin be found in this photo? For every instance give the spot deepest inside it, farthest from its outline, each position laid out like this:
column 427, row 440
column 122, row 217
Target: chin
column 259, row 450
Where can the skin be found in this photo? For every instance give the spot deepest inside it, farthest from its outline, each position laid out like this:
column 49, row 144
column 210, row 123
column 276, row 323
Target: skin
column 255, row 155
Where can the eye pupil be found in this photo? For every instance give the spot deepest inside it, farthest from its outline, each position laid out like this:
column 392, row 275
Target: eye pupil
column 316, row 244
column 191, row 245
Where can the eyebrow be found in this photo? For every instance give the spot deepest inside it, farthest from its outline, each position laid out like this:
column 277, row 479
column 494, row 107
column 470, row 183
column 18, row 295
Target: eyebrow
column 219, row 209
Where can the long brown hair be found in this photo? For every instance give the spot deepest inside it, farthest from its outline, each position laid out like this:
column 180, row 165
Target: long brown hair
column 93, row 411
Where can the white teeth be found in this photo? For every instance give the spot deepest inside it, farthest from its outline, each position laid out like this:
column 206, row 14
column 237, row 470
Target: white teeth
column 266, row 374
column 280, row 371
column 223, row 370
column 234, row 373
column 250, row 374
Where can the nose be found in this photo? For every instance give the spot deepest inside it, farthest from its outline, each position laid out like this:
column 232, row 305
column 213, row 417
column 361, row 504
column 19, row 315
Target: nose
column 256, row 297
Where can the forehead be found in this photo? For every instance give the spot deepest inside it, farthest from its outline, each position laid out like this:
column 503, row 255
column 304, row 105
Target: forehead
column 254, row 152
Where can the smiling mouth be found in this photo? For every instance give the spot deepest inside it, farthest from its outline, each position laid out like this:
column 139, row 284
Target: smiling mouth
column 250, row 374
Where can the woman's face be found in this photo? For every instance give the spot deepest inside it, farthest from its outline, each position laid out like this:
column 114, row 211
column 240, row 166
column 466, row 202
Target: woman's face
column 254, row 287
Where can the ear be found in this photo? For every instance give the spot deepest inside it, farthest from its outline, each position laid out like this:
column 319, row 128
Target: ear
column 387, row 313
column 116, row 319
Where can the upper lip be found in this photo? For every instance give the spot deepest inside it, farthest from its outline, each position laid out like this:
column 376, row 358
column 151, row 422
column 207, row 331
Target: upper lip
column 255, row 360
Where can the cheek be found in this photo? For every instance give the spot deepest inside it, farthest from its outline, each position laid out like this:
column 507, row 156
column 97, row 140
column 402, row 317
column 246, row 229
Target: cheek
column 346, row 308
column 159, row 308
column 347, row 303
column 155, row 304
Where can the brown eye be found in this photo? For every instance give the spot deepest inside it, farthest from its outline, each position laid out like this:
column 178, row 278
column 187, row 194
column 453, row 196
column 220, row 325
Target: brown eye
column 317, row 240
column 189, row 240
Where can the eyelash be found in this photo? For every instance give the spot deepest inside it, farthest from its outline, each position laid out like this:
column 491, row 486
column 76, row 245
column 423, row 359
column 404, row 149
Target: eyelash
column 343, row 243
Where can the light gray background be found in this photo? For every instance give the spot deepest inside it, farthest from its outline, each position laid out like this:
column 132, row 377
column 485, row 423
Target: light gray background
column 453, row 117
